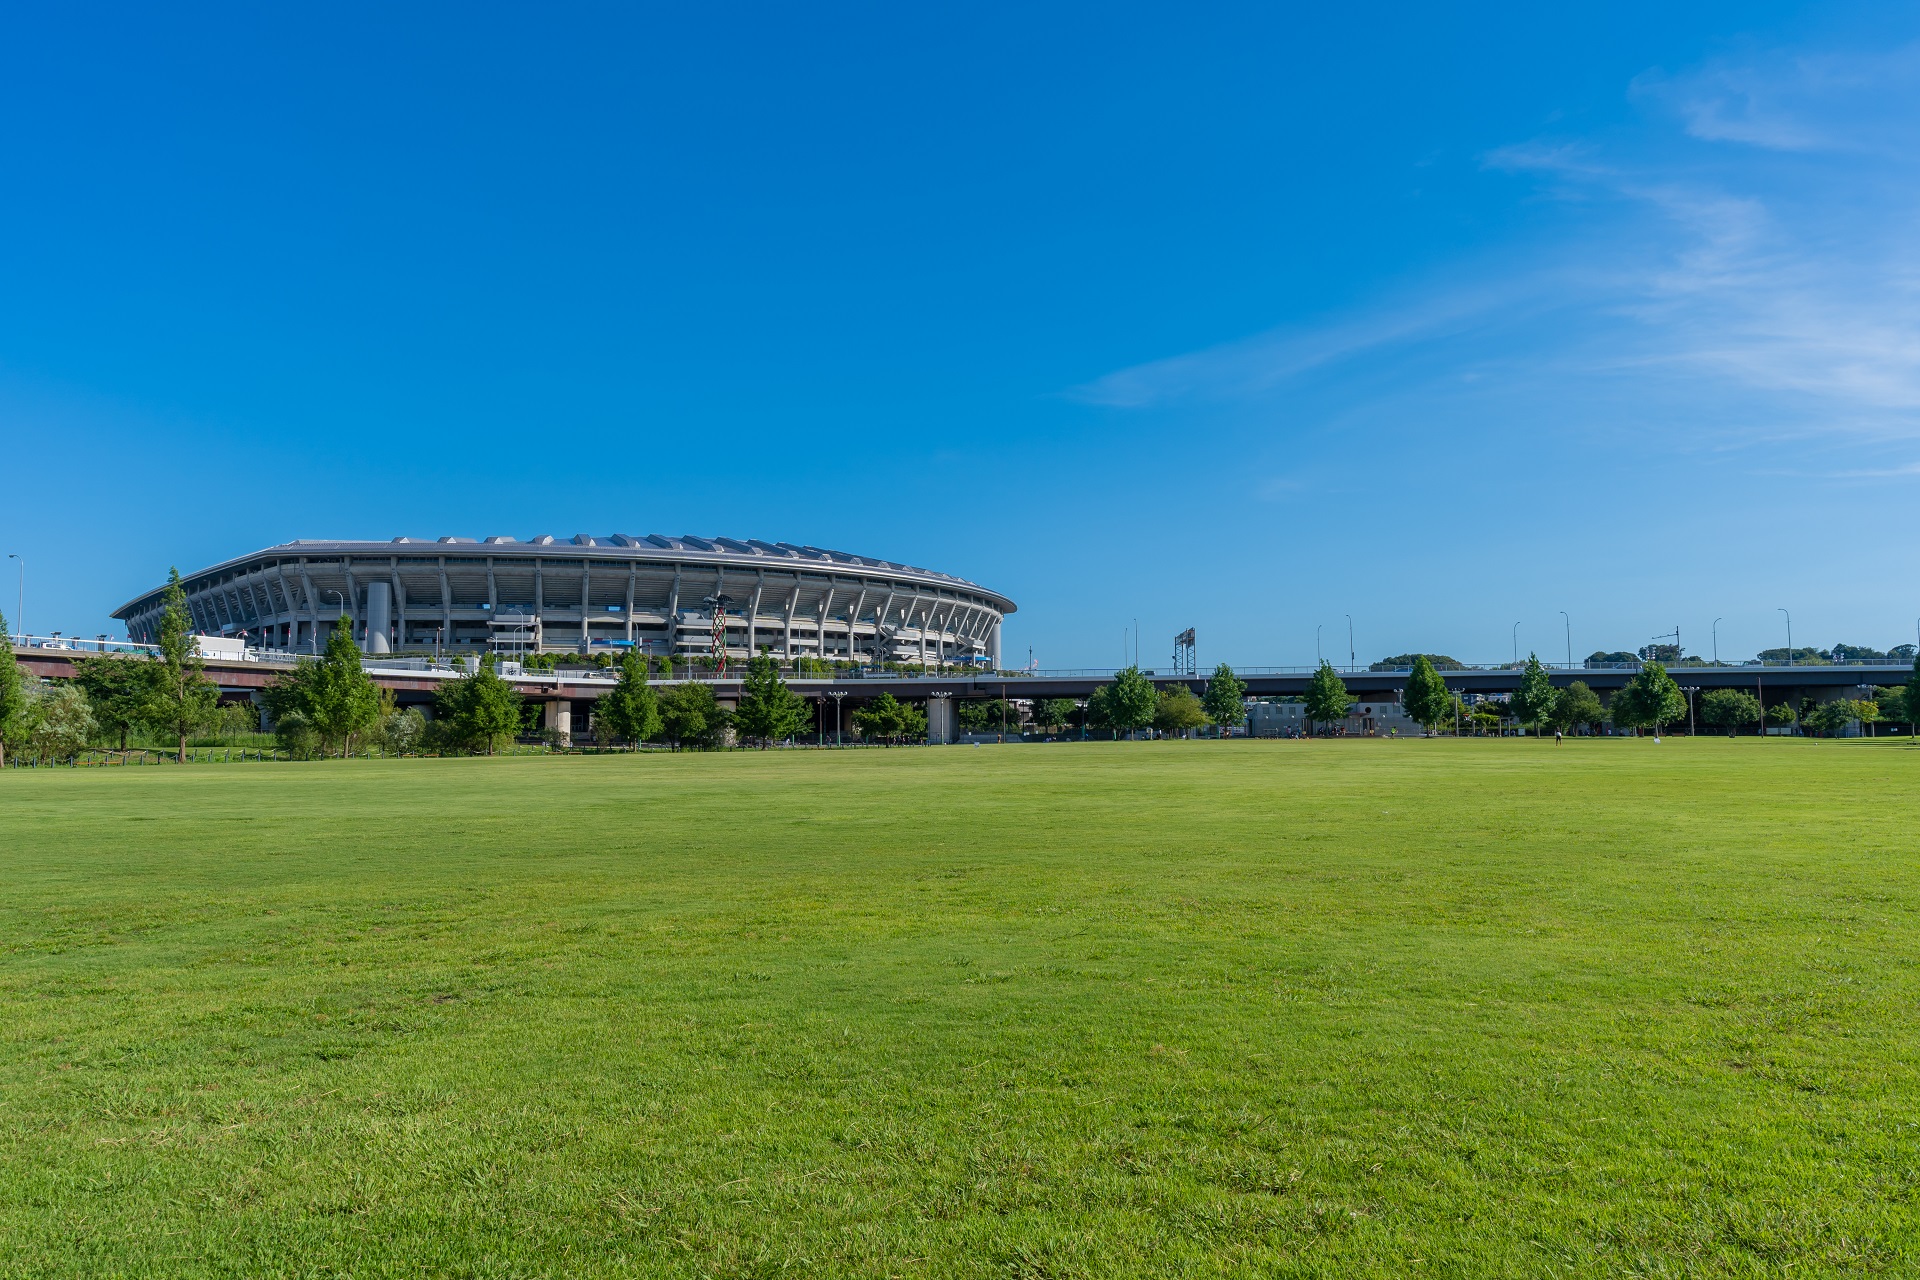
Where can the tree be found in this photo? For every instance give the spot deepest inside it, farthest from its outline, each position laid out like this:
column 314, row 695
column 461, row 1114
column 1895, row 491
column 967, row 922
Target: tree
column 478, row 712
column 1829, row 718
column 1780, row 714
column 1659, row 653
column 1427, row 699
column 884, row 718
column 1650, row 700
column 1125, row 705
column 987, row 715
column 1800, row 657
column 1226, row 700
column 1534, row 702
column 631, row 711
column 181, row 698
column 118, row 690
column 690, row 716
column 1438, row 661
column 1577, row 704
column 1052, row 713
column 401, row 732
column 62, row 722
column 332, row 693
column 13, row 697
column 1618, row 658
column 769, row 711
column 1327, row 697
column 1729, row 709
column 1177, row 710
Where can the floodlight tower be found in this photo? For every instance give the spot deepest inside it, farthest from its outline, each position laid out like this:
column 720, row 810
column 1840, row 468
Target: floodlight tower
column 1186, row 660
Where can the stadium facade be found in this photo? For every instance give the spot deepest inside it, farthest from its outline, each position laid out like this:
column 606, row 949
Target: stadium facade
column 654, row 593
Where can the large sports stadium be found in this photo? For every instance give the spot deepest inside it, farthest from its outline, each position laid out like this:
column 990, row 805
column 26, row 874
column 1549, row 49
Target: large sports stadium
column 655, row 593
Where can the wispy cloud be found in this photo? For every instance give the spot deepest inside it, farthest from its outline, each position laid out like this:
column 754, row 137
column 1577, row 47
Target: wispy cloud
column 1709, row 266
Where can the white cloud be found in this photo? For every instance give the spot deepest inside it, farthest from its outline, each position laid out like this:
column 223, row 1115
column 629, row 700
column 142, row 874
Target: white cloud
column 1786, row 299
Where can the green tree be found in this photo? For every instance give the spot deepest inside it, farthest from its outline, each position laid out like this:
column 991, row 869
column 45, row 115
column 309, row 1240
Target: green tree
column 1651, row 699
column 181, row 698
column 1125, row 705
column 332, row 693
column 880, row 719
column 13, row 696
column 1177, row 709
column 769, row 711
column 631, row 711
column 1729, row 709
column 118, row 690
column 1533, row 703
column 1327, row 697
column 1427, row 699
column 1226, row 700
column 1053, row 713
column 691, row 717
column 1577, row 704
column 478, row 712
column 62, row 721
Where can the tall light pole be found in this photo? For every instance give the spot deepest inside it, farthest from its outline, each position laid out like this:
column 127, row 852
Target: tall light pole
column 1690, row 690
column 1516, row 644
column 20, row 608
column 1569, row 621
column 1716, row 641
column 1136, row 642
column 839, row 740
column 1317, row 628
column 1351, row 660
column 1782, row 609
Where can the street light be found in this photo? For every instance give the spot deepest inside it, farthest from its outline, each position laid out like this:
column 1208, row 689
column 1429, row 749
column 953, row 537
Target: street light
column 1789, row 634
column 1569, row 621
column 1690, row 690
column 20, row 609
column 1516, row 644
column 1317, row 628
column 1351, row 660
column 838, row 739
column 1716, row 642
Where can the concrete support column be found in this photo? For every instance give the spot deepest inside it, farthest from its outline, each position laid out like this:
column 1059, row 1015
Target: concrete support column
column 558, row 716
column 940, row 720
column 379, row 617
column 993, row 645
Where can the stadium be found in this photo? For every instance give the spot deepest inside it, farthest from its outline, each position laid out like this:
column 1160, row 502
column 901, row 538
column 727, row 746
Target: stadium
column 655, row 593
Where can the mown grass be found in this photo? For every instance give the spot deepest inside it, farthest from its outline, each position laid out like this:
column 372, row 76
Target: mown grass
column 1486, row 1008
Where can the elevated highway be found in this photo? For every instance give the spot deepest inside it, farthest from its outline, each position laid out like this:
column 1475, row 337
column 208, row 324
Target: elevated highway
column 413, row 686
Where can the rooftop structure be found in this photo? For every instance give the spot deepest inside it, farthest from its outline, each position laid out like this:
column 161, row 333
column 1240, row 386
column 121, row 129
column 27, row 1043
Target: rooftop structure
column 656, row 593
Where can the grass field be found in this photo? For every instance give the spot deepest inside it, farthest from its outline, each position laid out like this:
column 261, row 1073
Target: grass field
column 1481, row 1008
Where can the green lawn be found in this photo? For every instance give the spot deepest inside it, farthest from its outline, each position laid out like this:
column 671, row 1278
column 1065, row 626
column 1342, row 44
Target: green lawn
column 1363, row 1008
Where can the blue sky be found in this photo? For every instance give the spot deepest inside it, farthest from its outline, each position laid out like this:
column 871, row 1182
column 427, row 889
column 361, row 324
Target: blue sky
column 1245, row 319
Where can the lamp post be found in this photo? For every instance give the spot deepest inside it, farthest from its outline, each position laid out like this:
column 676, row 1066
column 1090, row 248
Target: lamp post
column 1789, row 635
column 1716, row 642
column 1318, row 627
column 1516, row 644
column 1351, row 660
column 1690, row 690
column 20, row 607
column 838, row 739
column 1569, row 622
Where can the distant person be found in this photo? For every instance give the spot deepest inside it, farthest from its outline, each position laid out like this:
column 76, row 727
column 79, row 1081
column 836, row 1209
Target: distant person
column 1556, row 737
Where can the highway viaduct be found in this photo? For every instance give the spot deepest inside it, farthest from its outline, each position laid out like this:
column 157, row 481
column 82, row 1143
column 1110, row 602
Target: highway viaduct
column 583, row 685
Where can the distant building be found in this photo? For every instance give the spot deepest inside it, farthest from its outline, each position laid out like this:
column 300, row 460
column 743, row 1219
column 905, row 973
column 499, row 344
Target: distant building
column 1289, row 719
column 655, row 593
